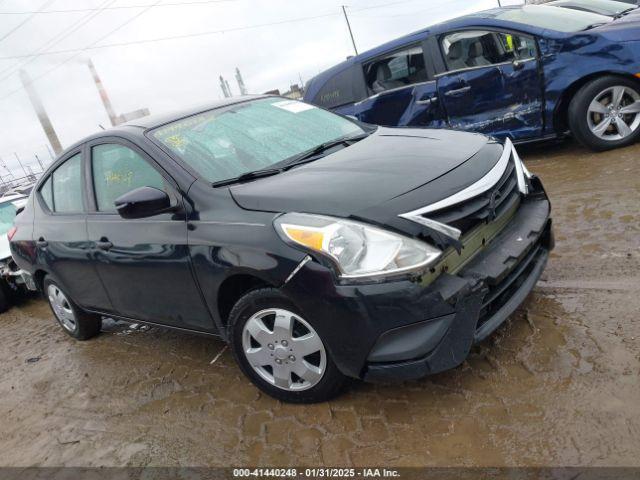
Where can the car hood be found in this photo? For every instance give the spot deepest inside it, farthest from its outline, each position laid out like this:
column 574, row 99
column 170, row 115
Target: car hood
column 623, row 29
column 390, row 172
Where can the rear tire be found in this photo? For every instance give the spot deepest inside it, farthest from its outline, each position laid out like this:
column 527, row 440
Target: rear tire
column 280, row 351
column 605, row 113
column 74, row 321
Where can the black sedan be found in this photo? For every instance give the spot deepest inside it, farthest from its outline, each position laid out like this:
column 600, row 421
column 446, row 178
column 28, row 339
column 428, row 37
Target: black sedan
column 318, row 247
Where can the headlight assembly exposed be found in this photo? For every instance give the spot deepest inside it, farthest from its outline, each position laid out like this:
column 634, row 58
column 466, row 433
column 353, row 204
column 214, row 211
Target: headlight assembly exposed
column 357, row 249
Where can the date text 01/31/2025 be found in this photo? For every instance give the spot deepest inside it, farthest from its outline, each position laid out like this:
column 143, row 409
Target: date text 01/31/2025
column 315, row 472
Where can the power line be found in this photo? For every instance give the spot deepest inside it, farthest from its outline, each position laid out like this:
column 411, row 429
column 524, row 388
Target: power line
column 174, row 37
column 94, row 46
column 199, row 34
column 121, row 7
column 119, row 27
column 59, row 37
column 26, row 20
column 382, row 5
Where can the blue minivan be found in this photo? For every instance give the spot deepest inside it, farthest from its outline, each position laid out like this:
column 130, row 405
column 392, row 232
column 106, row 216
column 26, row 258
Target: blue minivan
column 528, row 73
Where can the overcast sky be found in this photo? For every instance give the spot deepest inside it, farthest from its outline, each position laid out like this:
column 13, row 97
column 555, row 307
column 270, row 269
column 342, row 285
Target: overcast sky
column 303, row 38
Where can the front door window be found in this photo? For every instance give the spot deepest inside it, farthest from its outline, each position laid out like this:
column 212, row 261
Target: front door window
column 478, row 48
column 118, row 170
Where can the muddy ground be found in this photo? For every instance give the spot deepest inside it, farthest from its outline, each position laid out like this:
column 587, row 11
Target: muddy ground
column 557, row 385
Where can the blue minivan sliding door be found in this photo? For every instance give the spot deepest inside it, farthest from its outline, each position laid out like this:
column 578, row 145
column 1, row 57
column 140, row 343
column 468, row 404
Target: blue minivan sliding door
column 401, row 89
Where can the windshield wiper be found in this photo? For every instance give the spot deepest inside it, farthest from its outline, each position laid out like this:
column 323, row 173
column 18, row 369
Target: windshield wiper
column 267, row 172
column 314, row 153
column 624, row 12
column 304, row 157
column 594, row 25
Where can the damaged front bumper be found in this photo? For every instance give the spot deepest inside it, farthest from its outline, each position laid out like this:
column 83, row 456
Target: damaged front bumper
column 410, row 328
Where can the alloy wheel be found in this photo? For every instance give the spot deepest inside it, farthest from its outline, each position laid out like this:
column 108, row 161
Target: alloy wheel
column 61, row 308
column 614, row 113
column 284, row 349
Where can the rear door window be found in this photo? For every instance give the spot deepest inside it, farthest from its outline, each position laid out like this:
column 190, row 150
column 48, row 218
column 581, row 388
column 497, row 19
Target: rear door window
column 46, row 192
column 63, row 192
column 395, row 70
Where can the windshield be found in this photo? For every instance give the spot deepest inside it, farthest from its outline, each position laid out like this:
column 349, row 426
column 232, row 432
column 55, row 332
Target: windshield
column 554, row 18
column 225, row 143
column 604, row 7
column 7, row 216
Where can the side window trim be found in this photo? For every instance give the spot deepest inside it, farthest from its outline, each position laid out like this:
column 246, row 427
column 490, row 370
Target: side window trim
column 441, row 64
column 42, row 202
column 90, row 187
column 43, row 205
column 392, row 90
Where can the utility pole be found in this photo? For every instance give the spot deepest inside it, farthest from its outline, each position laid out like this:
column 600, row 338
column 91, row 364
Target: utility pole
column 2, row 180
column 47, row 126
column 20, row 163
column 39, row 162
column 49, row 150
column 344, row 11
column 113, row 118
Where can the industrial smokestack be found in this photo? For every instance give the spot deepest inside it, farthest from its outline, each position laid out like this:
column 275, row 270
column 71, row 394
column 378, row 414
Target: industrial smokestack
column 224, row 86
column 241, row 86
column 40, row 112
column 113, row 118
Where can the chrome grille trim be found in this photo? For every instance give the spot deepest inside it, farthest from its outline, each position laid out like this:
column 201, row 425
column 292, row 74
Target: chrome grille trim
column 473, row 190
column 443, row 228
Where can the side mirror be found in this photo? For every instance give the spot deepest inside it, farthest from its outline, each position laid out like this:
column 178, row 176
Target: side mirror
column 143, row 202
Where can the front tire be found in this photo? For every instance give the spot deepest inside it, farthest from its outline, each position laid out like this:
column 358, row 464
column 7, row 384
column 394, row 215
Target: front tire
column 73, row 320
column 605, row 113
column 280, row 351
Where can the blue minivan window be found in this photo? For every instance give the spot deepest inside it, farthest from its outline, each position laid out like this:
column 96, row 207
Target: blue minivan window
column 225, row 143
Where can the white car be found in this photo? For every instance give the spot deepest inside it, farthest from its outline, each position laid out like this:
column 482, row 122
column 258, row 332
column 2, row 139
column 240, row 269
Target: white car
column 12, row 281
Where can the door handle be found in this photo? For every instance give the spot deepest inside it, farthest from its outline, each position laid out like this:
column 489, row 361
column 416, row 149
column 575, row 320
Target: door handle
column 427, row 101
column 42, row 243
column 104, row 244
column 458, row 91
column 518, row 65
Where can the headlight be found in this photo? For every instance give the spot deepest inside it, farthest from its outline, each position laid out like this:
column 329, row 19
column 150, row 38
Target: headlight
column 357, row 249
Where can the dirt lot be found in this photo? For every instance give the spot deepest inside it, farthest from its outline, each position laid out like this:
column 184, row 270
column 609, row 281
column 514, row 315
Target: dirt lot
column 557, row 385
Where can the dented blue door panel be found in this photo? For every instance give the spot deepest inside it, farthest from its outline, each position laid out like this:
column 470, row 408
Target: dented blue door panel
column 501, row 100
column 414, row 105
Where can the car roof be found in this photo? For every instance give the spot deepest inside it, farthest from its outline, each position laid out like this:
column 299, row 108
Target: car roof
column 152, row 121
column 138, row 126
column 483, row 18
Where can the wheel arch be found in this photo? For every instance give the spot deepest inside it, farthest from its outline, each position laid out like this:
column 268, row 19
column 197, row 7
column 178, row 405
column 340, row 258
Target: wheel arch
column 561, row 112
column 38, row 277
column 234, row 287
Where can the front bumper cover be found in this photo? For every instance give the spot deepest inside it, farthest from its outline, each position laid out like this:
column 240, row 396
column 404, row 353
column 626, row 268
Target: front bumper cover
column 411, row 328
